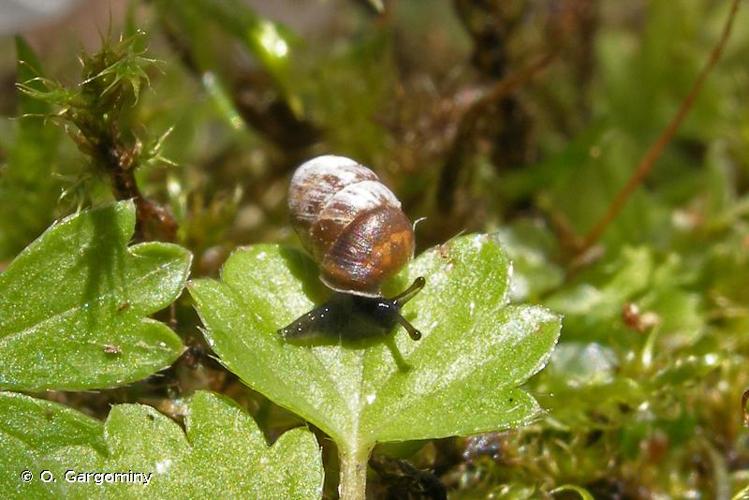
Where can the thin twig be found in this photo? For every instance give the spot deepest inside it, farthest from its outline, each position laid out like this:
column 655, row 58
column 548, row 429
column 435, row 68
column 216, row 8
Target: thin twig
column 515, row 80
column 656, row 149
column 471, row 117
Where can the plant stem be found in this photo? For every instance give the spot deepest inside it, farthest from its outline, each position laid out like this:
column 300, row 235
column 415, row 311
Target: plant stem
column 353, row 476
column 466, row 129
column 654, row 152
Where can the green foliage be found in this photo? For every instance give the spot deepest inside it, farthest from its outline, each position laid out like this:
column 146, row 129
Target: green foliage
column 270, row 43
column 30, row 430
column 27, row 189
column 72, row 305
column 221, row 452
column 636, row 276
column 45, row 427
column 530, row 247
column 581, row 492
column 345, row 89
column 100, row 108
column 461, row 378
column 111, row 80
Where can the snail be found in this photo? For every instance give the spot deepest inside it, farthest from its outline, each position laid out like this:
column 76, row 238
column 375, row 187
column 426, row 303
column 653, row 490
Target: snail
column 354, row 228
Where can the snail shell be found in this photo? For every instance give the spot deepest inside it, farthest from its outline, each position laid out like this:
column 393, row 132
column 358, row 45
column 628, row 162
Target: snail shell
column 351, row 223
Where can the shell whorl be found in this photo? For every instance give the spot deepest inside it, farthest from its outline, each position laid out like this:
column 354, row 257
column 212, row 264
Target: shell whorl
column 350, row 222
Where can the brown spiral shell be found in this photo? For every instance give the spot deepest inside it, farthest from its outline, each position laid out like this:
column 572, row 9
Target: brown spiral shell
column 351, row 224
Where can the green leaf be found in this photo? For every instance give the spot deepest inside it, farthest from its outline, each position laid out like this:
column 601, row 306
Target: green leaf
column 31, row 429
column 222, row 454
column 17, row 459
column 461, row 378
column 73, row 305
column 44, row 426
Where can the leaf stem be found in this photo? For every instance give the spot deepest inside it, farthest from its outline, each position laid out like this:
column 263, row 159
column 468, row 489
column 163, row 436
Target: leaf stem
column 353, row 475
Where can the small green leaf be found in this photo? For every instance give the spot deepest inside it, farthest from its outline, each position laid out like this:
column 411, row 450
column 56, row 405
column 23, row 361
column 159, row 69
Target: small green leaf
column 73, row 305
column 29, row 71
column 462, row 377
column 222, row 99
column 222, row 454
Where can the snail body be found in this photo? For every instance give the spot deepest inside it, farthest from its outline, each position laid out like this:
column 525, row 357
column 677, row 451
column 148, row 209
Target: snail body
column 354, row 228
